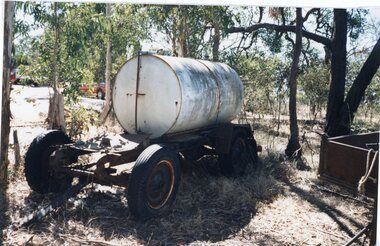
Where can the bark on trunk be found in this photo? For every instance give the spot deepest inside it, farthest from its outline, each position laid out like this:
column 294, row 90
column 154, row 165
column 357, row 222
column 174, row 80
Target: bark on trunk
column 183, row 49
column 5, row 102
column 5, row 115
column 182, row 44
column 336, row 53
column 216, row 42
column 174, row 38
column 108, row 104
column 293, row 148
column 56, row 118
column 357, row 90
column 338, row 72
column 16, row 153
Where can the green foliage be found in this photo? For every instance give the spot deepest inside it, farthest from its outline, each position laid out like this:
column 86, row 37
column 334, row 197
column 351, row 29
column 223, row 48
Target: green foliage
column 273, row 40
column 19, row 60
column 187, row 27
column 85, row 30
column 79, row 120
column 83, row 33
column 314, row 82
column 265, row 83
column 356, row 22
column 370, row 104
column 364, row 126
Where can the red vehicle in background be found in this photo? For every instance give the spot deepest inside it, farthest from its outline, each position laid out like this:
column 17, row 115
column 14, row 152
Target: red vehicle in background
column 99, row 90
column 16, row 79
column 13, row 75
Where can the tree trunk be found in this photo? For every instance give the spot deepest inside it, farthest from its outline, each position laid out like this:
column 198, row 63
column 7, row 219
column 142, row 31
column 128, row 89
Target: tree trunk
column 5, row 102
column 278, row 114
column 174, row 37
column 293, row 148
column 336, row 53
column 5, row 115
column 16, row 148
column 182, row 44
column 216, row 42
column 183, row 49
column 56, row 117
column 108, row 103
column 338, row 72
column 357, row 90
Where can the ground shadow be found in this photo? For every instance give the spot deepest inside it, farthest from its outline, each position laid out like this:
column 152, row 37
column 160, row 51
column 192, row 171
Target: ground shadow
column 335, row 214
column 3, row 209
column 208, row 209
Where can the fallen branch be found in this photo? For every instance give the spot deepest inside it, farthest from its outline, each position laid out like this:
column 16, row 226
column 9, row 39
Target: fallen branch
column 339, row 194
column 81, row 240
column 359, row 234
column 330, row 233
column 101, row 218
column 58, row 201
column 28, row 124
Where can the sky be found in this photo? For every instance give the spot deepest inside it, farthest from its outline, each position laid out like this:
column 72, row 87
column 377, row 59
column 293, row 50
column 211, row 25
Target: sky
column 159, row 42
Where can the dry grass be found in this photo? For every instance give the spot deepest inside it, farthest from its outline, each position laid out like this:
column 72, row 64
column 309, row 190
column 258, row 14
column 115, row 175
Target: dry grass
column 274, row 204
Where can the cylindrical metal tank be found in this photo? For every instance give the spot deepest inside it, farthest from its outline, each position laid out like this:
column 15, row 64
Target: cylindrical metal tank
column 170, row 94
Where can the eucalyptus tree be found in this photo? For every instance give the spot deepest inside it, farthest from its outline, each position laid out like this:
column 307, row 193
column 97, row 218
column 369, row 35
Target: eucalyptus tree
column 370, row 103
column 181, row 26
column 51, row 17
column 5, row 104
column 187, row 27
column 293, row 148
column 314, row 83
column 275, row 43
column 84, row 31
column 218, row 19
column 107, row 106
column 331, row 28
column 125, row 29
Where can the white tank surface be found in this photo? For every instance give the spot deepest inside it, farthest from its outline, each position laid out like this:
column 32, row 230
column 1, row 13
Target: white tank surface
column 174, row 94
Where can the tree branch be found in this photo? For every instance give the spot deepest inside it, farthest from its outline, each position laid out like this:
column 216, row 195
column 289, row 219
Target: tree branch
column 309, row 13
column 361, row 82
column 281, row 28
column 282, row 16
column 290, row 40
column 261, row 9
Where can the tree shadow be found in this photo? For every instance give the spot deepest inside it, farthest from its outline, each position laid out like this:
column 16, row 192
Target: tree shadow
column 3, row 210
column 208, row 209
column 333, row 213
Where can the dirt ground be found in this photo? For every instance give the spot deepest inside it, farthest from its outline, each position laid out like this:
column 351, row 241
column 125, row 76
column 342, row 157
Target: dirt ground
column 279, row 202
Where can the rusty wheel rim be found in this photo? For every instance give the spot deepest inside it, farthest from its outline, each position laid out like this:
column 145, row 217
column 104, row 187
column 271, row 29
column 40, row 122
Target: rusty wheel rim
column 160, row 184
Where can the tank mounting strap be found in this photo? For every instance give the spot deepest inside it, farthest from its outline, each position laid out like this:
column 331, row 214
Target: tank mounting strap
column 137, row 87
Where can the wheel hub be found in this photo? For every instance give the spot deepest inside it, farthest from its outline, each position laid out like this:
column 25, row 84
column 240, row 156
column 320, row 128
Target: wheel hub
column 160, row 184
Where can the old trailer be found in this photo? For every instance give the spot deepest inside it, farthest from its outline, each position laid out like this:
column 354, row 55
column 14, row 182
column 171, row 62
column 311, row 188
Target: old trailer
column 171, row 109
column 345, row 160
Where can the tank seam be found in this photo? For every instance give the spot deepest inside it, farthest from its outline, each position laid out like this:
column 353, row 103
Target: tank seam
column 180, row 88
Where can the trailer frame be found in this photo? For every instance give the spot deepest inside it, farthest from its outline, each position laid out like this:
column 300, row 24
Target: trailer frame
column 113, row 160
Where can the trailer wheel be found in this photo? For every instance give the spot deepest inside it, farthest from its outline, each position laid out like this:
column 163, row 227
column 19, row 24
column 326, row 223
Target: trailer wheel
column 154, row 182
column 242, row 152
column 38, row 172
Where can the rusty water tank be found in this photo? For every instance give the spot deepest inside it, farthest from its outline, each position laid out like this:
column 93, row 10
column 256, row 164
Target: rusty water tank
column 170, row 94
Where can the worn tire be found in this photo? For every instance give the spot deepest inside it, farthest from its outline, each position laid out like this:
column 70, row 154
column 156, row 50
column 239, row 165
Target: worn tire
column 243, row 151
column 37, row 170
column 154, row 182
